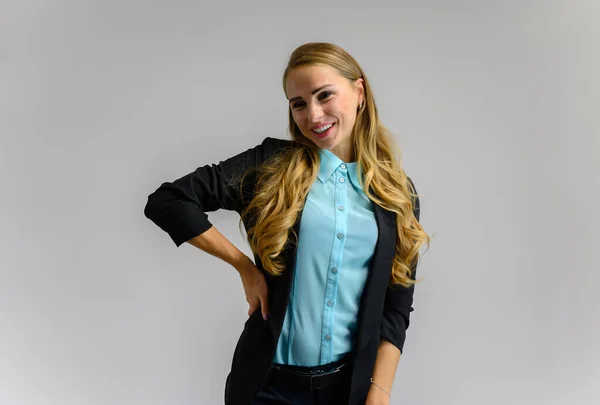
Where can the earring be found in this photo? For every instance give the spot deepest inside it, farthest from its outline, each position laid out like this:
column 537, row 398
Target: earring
column 360, row 106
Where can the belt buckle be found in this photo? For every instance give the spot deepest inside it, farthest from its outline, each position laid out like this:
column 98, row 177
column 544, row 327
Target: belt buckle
column 312, row 383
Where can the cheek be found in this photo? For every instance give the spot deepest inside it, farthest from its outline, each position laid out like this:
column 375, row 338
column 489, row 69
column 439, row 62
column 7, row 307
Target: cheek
column 297, row 119
column 340, row 109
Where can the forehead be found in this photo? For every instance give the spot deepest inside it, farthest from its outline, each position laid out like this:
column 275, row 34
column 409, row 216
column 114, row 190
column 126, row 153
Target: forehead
column 302, row 80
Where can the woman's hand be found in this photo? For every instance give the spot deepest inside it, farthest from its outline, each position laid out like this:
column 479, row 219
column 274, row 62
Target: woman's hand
column 255, row 287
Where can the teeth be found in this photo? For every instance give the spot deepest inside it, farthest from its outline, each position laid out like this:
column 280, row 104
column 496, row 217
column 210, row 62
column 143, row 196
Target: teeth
column 323, row 129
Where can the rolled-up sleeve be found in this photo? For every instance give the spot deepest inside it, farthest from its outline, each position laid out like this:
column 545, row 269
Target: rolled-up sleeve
column 179, row 207
column 398, row 301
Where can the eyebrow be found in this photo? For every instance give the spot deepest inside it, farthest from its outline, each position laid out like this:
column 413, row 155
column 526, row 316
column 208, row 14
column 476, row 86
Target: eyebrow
column 315, row 91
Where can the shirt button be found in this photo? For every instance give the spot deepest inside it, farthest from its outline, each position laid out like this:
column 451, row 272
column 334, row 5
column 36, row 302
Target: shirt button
column 334, row 270
column 343, row 166
column 341, row 208
column 342, row 179
column 340, row 235
column 327, row 337
column 330, row 302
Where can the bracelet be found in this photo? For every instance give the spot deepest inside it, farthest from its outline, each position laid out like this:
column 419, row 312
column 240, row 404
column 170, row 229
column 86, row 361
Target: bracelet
column 380, row 387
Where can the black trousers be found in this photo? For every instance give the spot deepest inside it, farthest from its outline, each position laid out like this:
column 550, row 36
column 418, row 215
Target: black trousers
column 273, row 394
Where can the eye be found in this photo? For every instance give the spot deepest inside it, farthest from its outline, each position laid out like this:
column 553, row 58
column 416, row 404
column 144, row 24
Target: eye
column 298, row 105
column 322, row 96
column 325, row 95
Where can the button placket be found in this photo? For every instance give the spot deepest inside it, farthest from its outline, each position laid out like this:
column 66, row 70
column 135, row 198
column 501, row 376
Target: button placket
column 340, row 196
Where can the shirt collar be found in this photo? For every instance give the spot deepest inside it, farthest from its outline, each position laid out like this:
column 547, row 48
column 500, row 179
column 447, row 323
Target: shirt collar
column 330, row 163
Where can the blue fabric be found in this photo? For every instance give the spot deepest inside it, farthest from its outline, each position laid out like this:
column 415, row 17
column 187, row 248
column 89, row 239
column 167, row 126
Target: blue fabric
column 337, row 238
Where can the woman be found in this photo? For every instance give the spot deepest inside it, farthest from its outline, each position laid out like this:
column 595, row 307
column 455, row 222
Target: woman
column 332, row 220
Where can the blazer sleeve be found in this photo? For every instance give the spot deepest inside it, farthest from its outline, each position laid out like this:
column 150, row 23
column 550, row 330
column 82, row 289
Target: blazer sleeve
column 179, row 207
column 398, row 300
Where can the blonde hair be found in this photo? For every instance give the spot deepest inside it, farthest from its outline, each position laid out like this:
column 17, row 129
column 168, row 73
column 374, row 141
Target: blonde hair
column 286, row 178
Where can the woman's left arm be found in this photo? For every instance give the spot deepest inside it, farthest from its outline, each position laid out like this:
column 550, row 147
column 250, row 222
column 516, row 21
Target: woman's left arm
column 388, row 356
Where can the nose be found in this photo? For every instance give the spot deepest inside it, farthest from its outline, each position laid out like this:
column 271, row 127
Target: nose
column 315, row 112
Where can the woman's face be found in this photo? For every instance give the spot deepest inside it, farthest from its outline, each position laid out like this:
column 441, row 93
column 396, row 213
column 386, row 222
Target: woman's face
column 324, row 106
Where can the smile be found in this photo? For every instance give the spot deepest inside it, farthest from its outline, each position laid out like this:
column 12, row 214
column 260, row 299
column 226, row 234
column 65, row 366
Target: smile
column 323, row 131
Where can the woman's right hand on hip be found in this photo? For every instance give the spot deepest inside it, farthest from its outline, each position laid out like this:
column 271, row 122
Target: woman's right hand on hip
column 255, row 287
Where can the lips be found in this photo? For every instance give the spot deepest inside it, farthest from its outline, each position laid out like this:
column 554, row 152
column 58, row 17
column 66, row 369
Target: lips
column 321, row 125
column 323, row 134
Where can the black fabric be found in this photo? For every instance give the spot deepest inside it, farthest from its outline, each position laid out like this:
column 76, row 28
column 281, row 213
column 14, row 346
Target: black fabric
column 272, row 393
column 398, row 300
column 311, row 378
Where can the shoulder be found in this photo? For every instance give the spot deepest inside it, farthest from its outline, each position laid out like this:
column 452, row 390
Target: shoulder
column 411, row 184
column 275, row 144
column 415, row 198
column 272, row 146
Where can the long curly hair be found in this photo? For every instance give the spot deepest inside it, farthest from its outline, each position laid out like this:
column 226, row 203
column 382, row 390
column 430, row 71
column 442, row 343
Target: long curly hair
column 284, row 181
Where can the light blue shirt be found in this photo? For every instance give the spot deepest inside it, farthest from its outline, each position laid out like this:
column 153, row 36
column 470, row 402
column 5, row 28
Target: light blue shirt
column 337, row 238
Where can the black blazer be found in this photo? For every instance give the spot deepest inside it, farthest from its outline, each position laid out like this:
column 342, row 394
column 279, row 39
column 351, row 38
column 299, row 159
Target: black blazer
column 179, row 208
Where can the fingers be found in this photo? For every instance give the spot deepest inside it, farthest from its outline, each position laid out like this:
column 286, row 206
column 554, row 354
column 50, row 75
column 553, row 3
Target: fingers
column 257, row 296
column 260, row 303
column 264, row 303
column 253, row 307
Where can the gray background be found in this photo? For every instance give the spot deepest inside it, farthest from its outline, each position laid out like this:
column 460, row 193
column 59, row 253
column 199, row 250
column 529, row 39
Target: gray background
column 495, row 105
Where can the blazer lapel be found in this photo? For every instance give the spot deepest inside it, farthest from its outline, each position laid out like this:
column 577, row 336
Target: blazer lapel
column 280, row 286
column 379, row 273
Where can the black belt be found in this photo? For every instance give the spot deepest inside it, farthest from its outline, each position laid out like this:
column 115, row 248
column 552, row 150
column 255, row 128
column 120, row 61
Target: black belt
column 306, row 381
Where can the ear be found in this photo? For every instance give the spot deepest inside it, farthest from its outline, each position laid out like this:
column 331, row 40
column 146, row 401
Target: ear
column 359, row 85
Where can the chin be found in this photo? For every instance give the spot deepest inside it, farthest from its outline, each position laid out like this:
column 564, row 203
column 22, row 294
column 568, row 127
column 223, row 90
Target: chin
column 328, row 142
column 323, row 143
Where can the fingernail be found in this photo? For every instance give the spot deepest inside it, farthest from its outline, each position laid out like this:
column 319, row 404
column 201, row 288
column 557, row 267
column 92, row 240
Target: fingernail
column 266, row 317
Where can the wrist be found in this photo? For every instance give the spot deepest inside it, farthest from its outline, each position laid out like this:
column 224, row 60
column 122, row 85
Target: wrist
column 377, row 397
column 243, row 265
column 380, row 388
